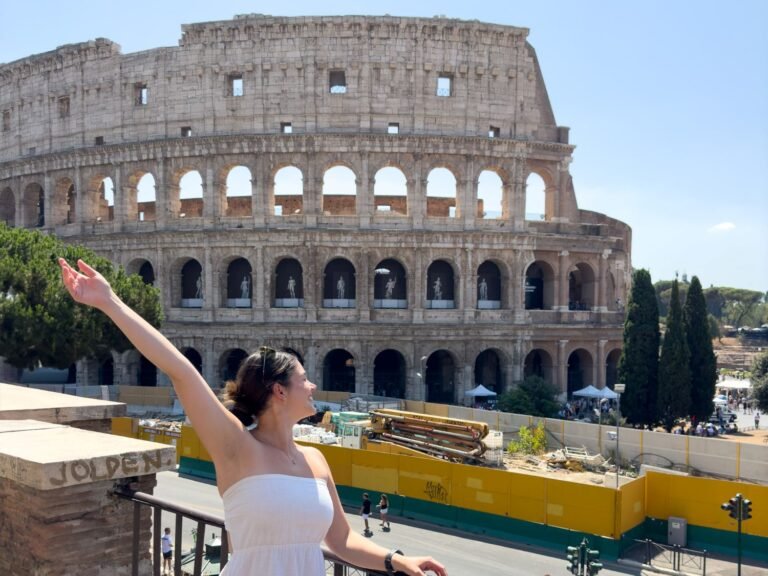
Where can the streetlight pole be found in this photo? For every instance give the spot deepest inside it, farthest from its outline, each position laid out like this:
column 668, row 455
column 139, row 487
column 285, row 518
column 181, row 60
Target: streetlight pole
column 619, row 389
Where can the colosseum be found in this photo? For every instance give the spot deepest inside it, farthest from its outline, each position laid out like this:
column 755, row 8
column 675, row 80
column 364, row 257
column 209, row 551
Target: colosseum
column 360, row 190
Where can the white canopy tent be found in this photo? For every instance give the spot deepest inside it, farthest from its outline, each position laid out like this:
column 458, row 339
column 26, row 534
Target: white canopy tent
column 479, row 391
column 733, row 384
column 607, row 393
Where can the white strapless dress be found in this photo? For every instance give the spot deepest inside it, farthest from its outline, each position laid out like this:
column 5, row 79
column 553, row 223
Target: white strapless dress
column 277, row 524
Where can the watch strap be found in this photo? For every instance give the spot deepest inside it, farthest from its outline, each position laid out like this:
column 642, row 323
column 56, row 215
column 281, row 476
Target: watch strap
column 388, row 561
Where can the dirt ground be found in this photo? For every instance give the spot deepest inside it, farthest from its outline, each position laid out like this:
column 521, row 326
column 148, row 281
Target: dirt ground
column 751, row 437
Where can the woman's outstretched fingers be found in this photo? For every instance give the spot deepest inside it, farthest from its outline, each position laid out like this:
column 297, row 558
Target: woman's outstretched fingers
column 85, row 269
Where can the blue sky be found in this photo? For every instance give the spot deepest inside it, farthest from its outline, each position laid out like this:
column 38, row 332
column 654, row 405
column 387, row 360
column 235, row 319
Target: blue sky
column 667, row 104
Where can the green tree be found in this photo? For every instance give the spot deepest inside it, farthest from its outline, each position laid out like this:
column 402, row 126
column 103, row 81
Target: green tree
column 639, row 362
column 674, row 397
column 41, row 324
column 703, row 365
column 534, row 396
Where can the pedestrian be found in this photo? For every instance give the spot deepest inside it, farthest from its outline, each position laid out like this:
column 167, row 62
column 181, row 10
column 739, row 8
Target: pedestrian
column 365, row 512
column 166, row 546
column 757, row 419
column 383, row 507
column 265, row 479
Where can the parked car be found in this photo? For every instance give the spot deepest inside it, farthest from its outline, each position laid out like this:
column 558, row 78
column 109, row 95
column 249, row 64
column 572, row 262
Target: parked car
column 726, row 414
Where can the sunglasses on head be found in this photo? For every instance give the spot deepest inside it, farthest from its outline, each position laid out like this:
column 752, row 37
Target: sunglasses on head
column 266, row 354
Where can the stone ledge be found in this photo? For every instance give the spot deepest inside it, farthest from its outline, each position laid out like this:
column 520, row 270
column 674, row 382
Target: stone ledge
column 46, row 457
column 22, row 403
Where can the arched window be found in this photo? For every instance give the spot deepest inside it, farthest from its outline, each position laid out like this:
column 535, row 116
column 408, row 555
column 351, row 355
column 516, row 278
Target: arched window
column 490, row 196
column 339, row 371
column 106, row 198
column 192, row 285
column 441, row 194
column 539, row 286
column 390, row 288
column 229, row 364
column 535, row 198
column 146, row 198
column 194, row 357
column 390, row 191
column 581, row 288
column 238, row 192
column 538, row 362
column 488, row 371
column 440, row 377
column 7, row 207
column 389, row 374
column 339, row 191
column 191, row 195
column 488, row 286
column 440, row 285
column 612, row 367
column 239, row 284
column 339, row 284
column 288, row 192
column 33, row 206
column 289, row 284
column 580, row 372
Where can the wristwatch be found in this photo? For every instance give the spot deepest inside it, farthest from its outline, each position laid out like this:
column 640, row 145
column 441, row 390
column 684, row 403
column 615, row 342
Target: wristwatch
column 388, row 561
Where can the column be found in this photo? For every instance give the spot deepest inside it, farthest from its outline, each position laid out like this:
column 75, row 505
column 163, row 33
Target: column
column 261, row 184
column 364, row 199
column 599, row 364
column 561, row 381
column 561, row 297
column 602, row 299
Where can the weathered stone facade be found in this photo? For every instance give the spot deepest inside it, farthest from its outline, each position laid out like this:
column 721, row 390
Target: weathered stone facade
column 315, row 93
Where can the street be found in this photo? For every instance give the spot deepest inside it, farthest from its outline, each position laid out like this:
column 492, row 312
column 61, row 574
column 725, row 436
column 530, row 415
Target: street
column 463, row 556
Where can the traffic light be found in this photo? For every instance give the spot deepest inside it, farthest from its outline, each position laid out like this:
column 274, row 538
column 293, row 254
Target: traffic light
column 746, row 509
column 594, row 565
column 733, row 506
column 573, row 559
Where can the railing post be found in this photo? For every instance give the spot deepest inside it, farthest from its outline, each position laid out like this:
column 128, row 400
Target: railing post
column 157, row 557
column 177, row 545
column 136, row 530
column 199, row 547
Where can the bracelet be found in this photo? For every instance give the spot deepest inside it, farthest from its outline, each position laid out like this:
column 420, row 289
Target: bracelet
column 388, row 561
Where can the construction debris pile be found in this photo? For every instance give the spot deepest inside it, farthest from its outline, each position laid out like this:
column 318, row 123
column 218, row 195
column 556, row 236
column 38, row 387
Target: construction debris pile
column 567, row 459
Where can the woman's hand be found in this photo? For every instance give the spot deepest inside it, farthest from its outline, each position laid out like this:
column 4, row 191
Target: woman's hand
column 418, row 565
column 88, row 288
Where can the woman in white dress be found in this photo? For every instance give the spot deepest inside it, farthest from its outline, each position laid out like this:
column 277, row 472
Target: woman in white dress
column 280, row 501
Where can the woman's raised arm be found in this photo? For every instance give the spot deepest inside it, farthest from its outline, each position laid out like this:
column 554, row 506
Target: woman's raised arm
column 214, row 424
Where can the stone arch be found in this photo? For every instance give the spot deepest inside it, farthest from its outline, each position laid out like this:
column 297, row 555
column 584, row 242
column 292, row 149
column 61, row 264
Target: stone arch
column 105, row 197
column 490, row 285
column 339, row 371
column 106, row 371
column 33, row 206
column 194, row 358
column 490, row 199
column 64, row 202
column 440, row 377
column 389, row 373
column 238, row 283
column 538, row 362
column 441, row 285
column 489, row 370
column 390, row 191
column 289, row 284
column 187, row 283
column 141, row 370
column 390, row 284
column 8, row 207
column 294, row 352
column 287, row 195
column 580, row 370
column 581, row 287
column 442, row 193
column 612, row 367
column 229, row 363
column 535, row 197
column 539, row 286
column 238, row 191
column 339, row 191
column 339, row 285
column 143, row 268
column 187, row 193
column 141, row 203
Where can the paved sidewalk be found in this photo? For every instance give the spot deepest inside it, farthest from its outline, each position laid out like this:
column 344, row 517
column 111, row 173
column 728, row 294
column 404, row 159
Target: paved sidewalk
column 716, row 564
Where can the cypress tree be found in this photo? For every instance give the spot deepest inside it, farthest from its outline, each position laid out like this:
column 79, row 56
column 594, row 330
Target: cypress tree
column 674, row 399
column 638, row 366
column 703, row 366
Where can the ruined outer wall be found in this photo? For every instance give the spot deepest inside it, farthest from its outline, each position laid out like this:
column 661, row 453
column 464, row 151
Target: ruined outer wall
column 391, row 67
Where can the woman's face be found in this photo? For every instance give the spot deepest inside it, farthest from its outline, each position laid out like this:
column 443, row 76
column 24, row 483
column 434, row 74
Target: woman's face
column 299, row 390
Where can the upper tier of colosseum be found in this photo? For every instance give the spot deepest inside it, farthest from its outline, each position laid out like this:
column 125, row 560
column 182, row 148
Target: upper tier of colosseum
column 254, row 74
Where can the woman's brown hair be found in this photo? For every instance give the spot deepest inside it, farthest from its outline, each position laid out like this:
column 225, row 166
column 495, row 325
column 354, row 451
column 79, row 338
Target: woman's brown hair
column 248, row 394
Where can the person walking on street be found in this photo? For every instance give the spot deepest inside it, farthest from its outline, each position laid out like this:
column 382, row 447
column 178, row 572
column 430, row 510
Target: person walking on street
column 365, row 512
column 383, row 507
column 167, row 549
column 757, row 419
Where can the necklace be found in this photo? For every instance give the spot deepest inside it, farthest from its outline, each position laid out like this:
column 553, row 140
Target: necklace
column 290, row 457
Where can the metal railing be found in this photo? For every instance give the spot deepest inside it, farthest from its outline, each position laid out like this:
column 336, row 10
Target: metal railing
column 674, row 557
column 334, row 565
